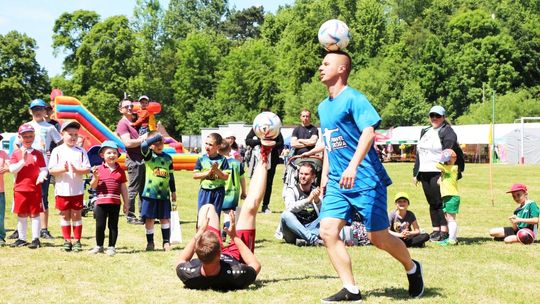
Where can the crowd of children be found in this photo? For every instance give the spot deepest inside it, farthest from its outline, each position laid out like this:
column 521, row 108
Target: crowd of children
column 222, row 184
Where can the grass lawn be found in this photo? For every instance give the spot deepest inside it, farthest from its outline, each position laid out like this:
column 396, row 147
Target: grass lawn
column 479, row 270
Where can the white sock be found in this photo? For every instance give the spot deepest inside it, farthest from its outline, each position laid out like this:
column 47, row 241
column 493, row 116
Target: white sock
column 452, row 230
column 226, row 218
column 352, row 288
column 36, row 224
column 165, row 226
column 150, row 231
column 21, row 227
column 412, row 270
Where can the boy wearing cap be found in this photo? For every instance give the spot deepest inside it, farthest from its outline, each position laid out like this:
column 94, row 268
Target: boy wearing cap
column 4, row 167
column 28, row 165
column 109, row 180
column 448, row 182
column 525, row 216
column 159, row 189
column 403, row 223
column 143, row 120
column 69, row 163
column 46, row 137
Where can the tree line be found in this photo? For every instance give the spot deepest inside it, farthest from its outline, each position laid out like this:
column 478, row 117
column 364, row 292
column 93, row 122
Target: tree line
column 209, row 64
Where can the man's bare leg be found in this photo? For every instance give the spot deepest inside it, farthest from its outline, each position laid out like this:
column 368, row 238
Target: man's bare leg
column 382, row 239
column 329, row 231
column 255, row 194
column 208, row 213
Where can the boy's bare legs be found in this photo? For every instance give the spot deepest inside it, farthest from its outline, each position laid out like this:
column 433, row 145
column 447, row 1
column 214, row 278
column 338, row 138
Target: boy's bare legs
column 255, row 195
column 208, row 213
column 329, row 231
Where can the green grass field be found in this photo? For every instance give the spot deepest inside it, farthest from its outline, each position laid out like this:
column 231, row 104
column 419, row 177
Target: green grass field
column 479, row 270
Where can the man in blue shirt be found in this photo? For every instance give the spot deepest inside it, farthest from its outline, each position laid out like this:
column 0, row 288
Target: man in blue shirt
column 353, row 178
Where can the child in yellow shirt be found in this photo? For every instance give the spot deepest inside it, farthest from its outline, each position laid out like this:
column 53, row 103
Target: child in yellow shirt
column 449, row 193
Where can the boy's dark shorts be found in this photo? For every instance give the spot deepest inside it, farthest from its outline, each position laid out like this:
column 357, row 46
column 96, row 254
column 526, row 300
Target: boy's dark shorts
column 508, row 231
column 155, row 209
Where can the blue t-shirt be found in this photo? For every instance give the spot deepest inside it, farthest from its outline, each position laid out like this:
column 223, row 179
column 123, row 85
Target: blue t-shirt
column 204, row 163
column 342, row 120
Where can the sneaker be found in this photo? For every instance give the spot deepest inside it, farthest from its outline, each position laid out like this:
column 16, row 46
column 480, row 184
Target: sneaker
column 319, row 242
column 301, row 243
column 267, row 211
column 167, row 247
column 434, row 236
column 2, row 242
column 447, row 242
column 416, row 282
column 77, row 246
column 111, row 251
column 134, row 221
column 67, row 246
column 14, row 235
column 19, row 243
column 343, row 296
column 35, row 244
column 96, row 250
column 45, row 234
column 443, row 236
column 150, row 247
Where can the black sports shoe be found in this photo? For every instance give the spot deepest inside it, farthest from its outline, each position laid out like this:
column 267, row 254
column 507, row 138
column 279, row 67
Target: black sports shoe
column 416, row 282
column 14, row 235
column 343, row 296
column 45, row 234
column 35, row 244
column 443, row 236
column 435, row 236
column 19, row 243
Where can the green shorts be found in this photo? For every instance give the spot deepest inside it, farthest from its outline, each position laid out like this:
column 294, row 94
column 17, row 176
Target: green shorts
column 451, row 204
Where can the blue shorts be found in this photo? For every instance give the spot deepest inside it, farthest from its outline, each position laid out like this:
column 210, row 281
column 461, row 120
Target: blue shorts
column 211, row 196
column 155, row 209
column 370, row 204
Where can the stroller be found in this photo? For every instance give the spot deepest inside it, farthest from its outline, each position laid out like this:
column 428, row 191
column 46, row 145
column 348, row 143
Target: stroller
column 95, row 160
column 290, row 177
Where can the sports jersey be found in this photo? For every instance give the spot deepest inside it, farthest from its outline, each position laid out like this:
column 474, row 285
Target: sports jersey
column 108, row 189
column 232, row 275
column 528, row 210
column 342, row 120
column 69, row 183
column 232, row 184
column 25, row 179
column 159, row 170
column 449, row 179
column 204, row 163
column 306, row 132
column 400, row 224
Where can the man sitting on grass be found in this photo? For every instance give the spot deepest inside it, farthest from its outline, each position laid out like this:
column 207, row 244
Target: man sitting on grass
column 232, row 267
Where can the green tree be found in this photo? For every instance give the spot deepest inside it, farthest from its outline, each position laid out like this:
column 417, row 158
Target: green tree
column 69, row 31
column 244, row 24
column 184, row 16
column 21, row 79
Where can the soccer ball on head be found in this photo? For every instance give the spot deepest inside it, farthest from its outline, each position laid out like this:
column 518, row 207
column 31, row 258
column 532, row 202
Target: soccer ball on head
column 334, row 35
column 267, row 125
column 525, row 236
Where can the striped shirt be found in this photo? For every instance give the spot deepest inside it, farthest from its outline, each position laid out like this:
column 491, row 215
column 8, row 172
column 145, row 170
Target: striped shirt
column 108, row 188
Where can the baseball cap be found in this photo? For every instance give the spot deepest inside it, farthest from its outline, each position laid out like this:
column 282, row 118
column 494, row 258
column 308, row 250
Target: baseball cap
column 144, row 97
column 517, row 187
column 26, row 128
column 402, row 195
column 71, row 124
column 438, row 110
column 108, row 144
column 37, row 103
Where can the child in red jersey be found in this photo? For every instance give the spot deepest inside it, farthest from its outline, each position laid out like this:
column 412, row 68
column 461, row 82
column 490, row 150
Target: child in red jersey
column 109, row 180
column 69, row 163
column 30, row 171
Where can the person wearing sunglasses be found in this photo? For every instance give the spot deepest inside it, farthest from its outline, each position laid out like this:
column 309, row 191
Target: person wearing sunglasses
column 433, row 140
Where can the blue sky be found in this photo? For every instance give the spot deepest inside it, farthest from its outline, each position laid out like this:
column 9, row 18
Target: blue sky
column 36, row 19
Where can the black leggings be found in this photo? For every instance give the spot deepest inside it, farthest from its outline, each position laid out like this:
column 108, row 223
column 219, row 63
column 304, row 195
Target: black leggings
column 417, row 240
column 101, row 212
column 433, row 196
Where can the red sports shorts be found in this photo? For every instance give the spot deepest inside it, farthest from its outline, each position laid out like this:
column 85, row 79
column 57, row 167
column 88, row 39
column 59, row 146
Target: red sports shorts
column 27, row 202
column 64, row 203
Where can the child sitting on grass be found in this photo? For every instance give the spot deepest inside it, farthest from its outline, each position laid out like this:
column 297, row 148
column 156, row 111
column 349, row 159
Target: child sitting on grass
column 403, row 223
column 109, row 180
column 159, row 189
column 449, row 194
column 525, row 216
